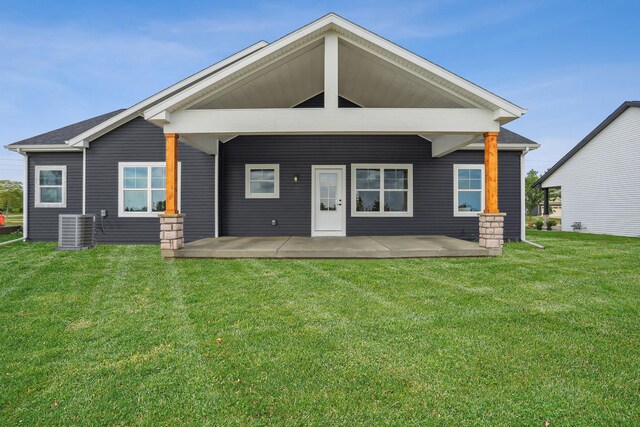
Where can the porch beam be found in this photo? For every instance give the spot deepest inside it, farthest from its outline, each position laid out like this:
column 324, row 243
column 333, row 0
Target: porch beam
column 445, row 144
column 491, row 172
column 331, row 70
column 328, row 121
column 171, row 207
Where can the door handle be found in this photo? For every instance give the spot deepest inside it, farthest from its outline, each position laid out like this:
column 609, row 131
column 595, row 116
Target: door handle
column 339, row 202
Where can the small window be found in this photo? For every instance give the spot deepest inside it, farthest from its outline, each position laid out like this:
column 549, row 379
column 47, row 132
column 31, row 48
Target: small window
column 468, row 182
column 382, row 190
column 51, row 187
column 262, row 181
column 142, row 189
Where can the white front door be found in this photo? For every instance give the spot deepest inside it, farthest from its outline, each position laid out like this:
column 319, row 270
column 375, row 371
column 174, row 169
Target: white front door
column 328, row 201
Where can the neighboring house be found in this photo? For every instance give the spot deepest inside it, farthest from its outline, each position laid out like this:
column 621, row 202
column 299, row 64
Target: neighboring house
column 328, row 131
column 600, row 177
column 555, row 207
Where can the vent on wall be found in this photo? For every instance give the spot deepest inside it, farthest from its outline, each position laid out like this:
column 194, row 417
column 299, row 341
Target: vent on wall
column 75, row 232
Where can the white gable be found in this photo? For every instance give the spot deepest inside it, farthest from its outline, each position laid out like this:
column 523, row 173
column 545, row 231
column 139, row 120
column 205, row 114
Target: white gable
column 289, row 70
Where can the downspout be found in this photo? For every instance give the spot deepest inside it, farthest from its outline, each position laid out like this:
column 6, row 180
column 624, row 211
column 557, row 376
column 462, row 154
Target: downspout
column 523, row 236
column 216, row 161
column 84, row 180
column 25, row 198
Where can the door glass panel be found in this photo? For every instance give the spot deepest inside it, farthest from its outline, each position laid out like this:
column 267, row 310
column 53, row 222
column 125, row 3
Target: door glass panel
column 328, row 183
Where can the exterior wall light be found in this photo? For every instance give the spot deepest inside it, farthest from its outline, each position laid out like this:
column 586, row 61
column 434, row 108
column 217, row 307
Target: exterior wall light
column 295, row 178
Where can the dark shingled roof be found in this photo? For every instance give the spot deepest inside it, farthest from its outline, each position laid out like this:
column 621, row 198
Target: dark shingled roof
column 621, row 109
column 59, row 136
column 509, row 137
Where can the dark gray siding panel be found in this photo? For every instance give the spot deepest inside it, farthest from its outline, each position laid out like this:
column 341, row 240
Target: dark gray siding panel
column 433, row 185
column 141, row 141
column 43, row 222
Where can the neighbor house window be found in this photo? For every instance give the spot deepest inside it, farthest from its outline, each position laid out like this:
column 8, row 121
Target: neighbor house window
column 142, row 189
column 51, row 187
column 468, row 184
column 381, row 190
column 262, row 181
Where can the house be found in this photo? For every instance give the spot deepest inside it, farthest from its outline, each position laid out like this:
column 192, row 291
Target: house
column 600, row 179
column 554, row 208
column 329, row 131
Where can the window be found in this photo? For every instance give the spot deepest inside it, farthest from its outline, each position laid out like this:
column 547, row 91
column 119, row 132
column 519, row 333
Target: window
column 51, row 187
column 141, row 190
column 468, row 195
column 381, row 190
column 262, row 181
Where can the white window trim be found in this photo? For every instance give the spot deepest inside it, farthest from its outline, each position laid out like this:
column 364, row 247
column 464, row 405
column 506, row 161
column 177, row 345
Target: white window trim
column 121, row 166
column 247, row 181
column 456, row 167
column 408, row 166
column 38, row 203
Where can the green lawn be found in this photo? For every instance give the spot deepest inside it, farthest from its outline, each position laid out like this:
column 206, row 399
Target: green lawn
column 118, row 336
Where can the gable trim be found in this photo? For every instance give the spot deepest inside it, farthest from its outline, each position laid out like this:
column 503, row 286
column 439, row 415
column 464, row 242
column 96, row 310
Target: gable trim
column 355, row 34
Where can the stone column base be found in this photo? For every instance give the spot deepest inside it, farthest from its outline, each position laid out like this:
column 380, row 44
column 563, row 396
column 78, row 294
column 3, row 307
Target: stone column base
column 492, row 231
column 171, row 234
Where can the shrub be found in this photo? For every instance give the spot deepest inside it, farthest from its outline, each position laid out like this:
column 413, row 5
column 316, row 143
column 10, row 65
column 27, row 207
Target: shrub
column 551, row 223
column 539, row 224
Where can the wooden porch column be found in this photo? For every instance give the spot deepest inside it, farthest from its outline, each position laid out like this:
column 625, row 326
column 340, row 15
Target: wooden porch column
column 171, row 207
column 491, row 172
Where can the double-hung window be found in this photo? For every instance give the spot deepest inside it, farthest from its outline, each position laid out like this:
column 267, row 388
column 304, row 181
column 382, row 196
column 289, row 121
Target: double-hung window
column 468, row 194
column 262, row 181
column 51, row 187
column 141, row 191
column 382, row 190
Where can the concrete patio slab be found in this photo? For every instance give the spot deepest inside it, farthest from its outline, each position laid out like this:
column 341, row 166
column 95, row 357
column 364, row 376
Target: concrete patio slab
column 333, row 247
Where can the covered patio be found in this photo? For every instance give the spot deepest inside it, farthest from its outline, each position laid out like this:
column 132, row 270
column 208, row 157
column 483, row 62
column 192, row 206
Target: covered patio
column 333, row 247
column 333, row 57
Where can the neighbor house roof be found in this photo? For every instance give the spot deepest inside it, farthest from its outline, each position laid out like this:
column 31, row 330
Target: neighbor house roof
column 621, row 109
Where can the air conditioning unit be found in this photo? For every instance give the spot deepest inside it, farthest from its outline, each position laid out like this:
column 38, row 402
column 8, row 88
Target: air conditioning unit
column 76, row 232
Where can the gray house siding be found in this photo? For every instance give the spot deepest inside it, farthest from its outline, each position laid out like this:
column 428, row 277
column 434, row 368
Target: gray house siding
column 43, row 222
column 140, row 141
column 432, row 187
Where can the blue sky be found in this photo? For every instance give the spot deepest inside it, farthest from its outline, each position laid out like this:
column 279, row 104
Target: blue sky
column 570, row 63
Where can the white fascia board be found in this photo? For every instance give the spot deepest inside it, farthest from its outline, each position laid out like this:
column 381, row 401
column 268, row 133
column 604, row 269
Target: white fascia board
column 41, row 148
column 343, row 120
column 502, row 147
column 354, row 32
column 85, row 138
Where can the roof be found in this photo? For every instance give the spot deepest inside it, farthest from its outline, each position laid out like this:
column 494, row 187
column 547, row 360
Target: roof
column 507, row 136
column 621, row 109
column 354, row 34
column 61, row 135
column 84, row 138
